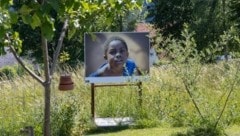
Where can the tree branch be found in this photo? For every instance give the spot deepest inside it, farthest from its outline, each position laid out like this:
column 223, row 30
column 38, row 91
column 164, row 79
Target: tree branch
column 35, row 76
column 59, row 46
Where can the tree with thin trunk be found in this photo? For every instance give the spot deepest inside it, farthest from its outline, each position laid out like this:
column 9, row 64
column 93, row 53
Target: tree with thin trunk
column 42, row 15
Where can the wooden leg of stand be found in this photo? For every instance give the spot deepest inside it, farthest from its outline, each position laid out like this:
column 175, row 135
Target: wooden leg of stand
column 92, row 101
column 140, row 93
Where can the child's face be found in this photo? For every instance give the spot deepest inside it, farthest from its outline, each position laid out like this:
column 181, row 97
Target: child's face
column 116, row 54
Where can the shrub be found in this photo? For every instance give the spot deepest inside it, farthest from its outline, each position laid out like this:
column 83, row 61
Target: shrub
column 202, row 131
column 20, row 70
column 8, row 72
column 63, row 119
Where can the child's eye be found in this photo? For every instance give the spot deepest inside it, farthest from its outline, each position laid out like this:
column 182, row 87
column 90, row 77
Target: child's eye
column 112, row 52
column 122, row 51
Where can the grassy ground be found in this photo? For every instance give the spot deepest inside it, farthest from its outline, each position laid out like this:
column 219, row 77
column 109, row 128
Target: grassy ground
column 233, row 131
column 164, row 101
column 159, row 131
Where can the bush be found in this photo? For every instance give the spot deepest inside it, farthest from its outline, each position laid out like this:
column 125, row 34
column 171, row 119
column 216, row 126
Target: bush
column 202, row 131
column 20, row 70
column 8, row 72
column 63, row 119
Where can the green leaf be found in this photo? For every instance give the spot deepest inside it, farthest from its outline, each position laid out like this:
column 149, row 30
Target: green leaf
column 2, row 32
column 111, row 2
column 35, row 21
column 48, row 29
column 14, row 17
column 118, row 6
column 46, row 8
column 148, row 1
column 85, row 5
column 27, row 19
column 139, row 3
column 17, row 42
column 40, row 15
column 69, row 4
column 94, row 7
column 62, row 9
column 100, row 1
column 208, row 51
column 71, row 31
column 25, row 10
column 4, row 2
column 2, row 51
column 55, row 4
column 76, row 5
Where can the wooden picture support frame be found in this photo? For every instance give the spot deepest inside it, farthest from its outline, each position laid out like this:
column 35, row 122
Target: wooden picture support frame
column 93, row 86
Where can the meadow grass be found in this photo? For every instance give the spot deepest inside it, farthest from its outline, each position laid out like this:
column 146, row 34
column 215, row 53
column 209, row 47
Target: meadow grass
column 161, row 131
column 165, row 102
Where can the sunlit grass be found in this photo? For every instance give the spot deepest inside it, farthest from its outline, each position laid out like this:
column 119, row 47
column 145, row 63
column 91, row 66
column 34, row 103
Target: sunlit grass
column 165, row 102
column 161, row 131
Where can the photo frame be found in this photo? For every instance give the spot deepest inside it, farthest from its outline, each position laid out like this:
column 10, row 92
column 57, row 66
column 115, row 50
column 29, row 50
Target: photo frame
column 138, row 45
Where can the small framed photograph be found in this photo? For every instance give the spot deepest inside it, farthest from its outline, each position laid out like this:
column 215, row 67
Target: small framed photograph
column 116, row 57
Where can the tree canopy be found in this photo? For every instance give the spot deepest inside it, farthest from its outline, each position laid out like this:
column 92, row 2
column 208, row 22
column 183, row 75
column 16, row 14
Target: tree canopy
column 50, row 21
column 170, row 16
column 212, row 22
column 48, row 16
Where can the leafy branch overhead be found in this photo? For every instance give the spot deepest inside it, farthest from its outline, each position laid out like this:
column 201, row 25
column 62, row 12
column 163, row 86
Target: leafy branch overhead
column 45, row 16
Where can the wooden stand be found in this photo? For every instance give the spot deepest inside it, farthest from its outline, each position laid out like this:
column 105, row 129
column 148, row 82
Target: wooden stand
column 93, row 86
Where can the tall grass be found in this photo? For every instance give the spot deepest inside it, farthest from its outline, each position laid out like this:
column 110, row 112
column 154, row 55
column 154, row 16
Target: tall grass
column 165, row 102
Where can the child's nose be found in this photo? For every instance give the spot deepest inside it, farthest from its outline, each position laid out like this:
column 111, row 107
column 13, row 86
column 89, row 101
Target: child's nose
column 118, row 54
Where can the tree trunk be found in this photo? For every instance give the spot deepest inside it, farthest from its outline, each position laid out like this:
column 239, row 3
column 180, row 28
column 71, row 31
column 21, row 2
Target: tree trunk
column 47, row 96
column 47, row 89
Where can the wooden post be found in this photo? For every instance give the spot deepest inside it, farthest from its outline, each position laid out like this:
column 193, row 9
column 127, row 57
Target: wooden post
column 93, row 100
column 140, row 93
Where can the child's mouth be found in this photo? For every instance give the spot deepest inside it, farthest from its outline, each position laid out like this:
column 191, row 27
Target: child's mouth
column 119, row 61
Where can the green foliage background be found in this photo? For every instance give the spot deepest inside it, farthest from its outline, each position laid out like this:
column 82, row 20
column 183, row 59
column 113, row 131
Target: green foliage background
column 209, row 20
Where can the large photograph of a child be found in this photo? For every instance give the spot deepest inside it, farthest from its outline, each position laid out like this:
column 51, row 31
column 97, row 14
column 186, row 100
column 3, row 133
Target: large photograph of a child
column 116, row 55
